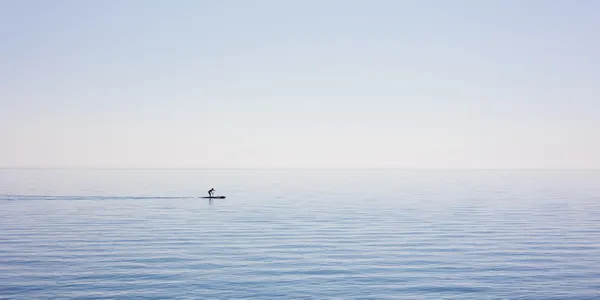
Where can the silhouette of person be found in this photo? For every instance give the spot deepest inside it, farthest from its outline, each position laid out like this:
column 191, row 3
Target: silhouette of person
column 211, row 192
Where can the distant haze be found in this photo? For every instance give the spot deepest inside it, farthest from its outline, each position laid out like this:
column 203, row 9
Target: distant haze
column 315, row 84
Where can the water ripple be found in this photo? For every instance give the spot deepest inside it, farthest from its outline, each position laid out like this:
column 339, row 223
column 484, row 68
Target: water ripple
column 426, row 239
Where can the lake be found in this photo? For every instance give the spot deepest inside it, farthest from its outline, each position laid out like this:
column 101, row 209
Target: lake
column 299, row 234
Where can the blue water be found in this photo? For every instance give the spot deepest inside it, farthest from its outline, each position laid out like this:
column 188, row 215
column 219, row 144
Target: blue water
column 299, row 234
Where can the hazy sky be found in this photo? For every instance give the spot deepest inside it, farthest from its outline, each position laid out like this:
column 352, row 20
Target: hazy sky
column 327, row 83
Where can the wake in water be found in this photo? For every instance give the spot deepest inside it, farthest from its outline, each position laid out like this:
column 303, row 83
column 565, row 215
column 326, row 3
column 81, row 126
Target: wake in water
column 17, row 197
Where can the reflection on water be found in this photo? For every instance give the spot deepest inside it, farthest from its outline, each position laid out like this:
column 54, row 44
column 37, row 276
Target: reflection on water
column 299, row 235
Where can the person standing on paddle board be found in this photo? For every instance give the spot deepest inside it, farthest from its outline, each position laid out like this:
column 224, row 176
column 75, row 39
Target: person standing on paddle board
column 211, row 192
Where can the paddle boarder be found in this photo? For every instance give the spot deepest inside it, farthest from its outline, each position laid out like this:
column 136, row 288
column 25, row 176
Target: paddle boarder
column 211, row 192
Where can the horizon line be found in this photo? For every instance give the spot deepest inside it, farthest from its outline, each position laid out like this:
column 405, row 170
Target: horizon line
column 290, row 168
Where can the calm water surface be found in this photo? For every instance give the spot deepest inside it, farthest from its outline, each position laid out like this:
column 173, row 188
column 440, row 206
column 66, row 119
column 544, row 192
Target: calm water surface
column 309, row 234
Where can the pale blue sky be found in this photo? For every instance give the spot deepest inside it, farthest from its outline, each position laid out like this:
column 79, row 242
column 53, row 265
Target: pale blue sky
column 270, row 83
